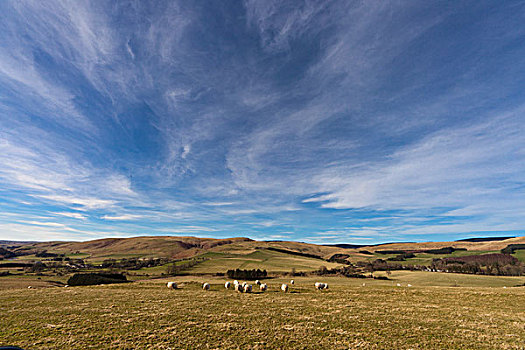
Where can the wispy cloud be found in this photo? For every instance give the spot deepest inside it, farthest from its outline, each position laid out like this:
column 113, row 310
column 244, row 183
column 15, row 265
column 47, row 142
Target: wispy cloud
column 340, row 120
column 125, row 217
column 72, row 215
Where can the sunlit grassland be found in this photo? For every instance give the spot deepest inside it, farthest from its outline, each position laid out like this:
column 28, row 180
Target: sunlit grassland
column 378, row 315
column 441, row 279
column 520, row 255
column 261, row 259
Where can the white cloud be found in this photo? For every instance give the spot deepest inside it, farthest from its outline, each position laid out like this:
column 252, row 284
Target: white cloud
column 72, row 215
column 85, row 203
column 124, row 217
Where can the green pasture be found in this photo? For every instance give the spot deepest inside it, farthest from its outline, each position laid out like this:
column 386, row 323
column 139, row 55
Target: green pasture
column 271, row 261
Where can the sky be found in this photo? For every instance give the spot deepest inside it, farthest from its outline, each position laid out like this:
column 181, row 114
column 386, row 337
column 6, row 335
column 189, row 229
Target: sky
column 316, row 121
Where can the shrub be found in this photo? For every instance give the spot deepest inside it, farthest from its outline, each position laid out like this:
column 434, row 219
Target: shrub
column 485, row 264
column 445, row 250
column 384, row 252
column 402, row 257
column 247, row 274
column 511, row 248
column 87, row 279
column 339, row 258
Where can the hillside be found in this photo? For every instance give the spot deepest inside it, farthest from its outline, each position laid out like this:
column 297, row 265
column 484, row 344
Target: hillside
column 476, row 246
column 185, row 247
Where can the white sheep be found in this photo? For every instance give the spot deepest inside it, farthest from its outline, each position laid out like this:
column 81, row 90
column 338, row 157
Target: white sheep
column 172, row 285
column 206, row 286
column 29, row 287
column 227, row 285
column 319, row 285
column 409, row 285
column 263, row 287
column 243, row 284
column 239, row 288
column 284, row 287
column 235, row 282
column 292, row 282
column 258, row 282
column 399, row 284
column 247, row 288
column 325, row 285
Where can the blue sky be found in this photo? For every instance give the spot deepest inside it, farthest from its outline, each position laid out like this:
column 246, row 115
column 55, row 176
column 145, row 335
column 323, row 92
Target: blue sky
column 319, row 121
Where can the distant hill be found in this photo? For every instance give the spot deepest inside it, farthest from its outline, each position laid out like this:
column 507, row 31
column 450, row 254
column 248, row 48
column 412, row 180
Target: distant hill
column 186, row 247
column 15, row 243
column 357, row 246
column 484, row 239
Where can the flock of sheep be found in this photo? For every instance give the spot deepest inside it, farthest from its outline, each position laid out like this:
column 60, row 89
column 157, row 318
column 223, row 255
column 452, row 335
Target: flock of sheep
column 244, row 287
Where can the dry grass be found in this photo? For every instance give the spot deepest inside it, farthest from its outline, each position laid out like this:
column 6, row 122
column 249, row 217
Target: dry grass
column 349, row 315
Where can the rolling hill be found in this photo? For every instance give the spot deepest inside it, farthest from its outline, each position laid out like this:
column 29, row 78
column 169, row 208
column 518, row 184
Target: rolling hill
column 186, row 247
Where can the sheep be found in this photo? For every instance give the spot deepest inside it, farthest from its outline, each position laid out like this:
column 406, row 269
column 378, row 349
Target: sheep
column 172, row 285
column 206, row 286
column 409, row 285
column 247, row 288
column 399, row 284
column 29, row 287
column 258, row 282
column 320, row 285
column 263, row 287
column 235, row 282
column 227, row 285
column 284, row 287
column 239, row 288
column 292, row 282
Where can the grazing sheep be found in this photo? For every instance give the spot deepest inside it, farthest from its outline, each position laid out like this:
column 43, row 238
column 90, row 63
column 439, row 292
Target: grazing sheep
column 320, row 285
column 258, row 282
column 284, row 287
column 247, row 288
column 409, row 285
column 399, row 284
column 29, row 287
column 227, row 285
column 206, row 286
column 66, row 286
column 263, row 287
column 292, row 282
column 235, row 282
column 239, row 288
column 172, row 285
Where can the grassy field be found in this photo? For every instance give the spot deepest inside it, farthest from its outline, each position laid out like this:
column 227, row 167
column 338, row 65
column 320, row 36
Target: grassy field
column 378, row 315
column 411, row 310
column 261, row 259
